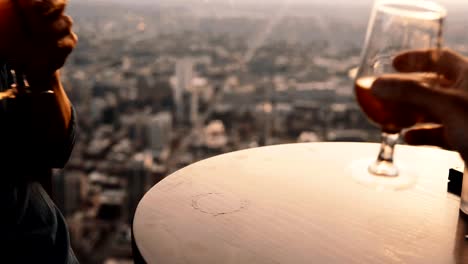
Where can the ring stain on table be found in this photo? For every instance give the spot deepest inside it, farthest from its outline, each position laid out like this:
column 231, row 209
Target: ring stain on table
column 218, row 204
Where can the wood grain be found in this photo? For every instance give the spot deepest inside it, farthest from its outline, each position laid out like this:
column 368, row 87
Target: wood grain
column 298, row 204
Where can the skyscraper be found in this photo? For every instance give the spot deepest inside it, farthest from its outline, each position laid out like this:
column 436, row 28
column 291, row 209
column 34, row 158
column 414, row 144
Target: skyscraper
column 183, row 75
column 139, row 181
column 198, row 85
column 158, row 131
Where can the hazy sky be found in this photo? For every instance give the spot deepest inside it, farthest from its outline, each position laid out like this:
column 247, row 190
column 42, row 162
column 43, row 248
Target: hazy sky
column 349, row 2
column 319, row 1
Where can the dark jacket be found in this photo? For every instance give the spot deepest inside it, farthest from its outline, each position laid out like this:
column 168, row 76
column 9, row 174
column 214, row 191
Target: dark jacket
column 34, row 229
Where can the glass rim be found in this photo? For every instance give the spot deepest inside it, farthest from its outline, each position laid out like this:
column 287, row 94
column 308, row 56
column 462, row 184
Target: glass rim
column 429, row 10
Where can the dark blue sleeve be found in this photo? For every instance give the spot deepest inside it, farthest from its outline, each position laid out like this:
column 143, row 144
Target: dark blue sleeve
column 26, row 145
column 39, row 234
column 61, row 153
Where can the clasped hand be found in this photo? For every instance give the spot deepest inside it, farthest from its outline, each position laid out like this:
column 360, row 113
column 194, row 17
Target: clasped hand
column 37, row 37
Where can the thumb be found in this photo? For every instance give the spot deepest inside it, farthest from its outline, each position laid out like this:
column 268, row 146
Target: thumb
column 434, row 136
column 43, row 8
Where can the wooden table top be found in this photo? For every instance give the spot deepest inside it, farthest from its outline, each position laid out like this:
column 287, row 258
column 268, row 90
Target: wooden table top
column 299, row 204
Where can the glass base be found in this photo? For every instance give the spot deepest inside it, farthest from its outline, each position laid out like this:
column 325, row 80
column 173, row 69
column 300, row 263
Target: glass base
column 401, row 180
column 383, row 169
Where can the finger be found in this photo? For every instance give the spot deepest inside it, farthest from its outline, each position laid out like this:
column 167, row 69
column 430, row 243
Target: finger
column 37, row 15
column 41, row 9
column 64, row 47
column 445, row 62
column 68, row 43
column 50, row 58
column 430, row 136
column 59, row 28
column 52, row 31
column 410, row 90
column 59, row 53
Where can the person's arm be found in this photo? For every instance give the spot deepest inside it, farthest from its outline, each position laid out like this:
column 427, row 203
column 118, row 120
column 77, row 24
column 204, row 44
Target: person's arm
column 52, row 111
column 41, row 126
column 40, row 40
column 51, row 115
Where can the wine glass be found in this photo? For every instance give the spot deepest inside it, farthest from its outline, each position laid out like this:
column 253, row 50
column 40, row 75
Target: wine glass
column 395, row 26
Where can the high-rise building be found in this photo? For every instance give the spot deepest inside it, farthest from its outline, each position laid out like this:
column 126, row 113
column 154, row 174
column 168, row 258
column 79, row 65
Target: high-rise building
column 183, row 81
column 194, row 104
column 158, row 131
column 144, row 88
column 198, row 87
column 138, row 181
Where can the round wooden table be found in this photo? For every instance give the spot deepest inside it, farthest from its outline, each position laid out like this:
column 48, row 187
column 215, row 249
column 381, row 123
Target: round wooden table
column 298, row 204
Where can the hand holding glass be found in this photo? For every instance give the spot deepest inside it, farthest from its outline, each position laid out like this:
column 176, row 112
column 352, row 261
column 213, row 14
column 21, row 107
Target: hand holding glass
column 395, row 26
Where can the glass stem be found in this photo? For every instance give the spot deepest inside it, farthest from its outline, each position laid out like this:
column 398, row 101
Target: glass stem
column 388, row 147
column 384, row 165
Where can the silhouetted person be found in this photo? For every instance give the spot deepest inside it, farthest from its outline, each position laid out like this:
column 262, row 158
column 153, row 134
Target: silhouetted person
column 36, row 130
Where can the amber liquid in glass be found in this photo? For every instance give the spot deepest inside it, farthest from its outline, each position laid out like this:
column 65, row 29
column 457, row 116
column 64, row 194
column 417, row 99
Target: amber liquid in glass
column 392, row 117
